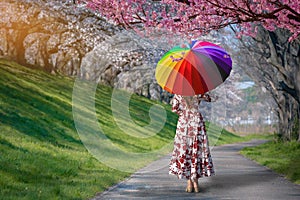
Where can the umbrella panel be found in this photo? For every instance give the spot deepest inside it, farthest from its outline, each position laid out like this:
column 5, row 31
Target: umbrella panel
column 193, row 71
column 185, row 79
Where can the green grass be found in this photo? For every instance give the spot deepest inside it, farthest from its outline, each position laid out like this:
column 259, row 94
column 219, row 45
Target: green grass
column 42, row 155
column 227, row 137
column 278, row 156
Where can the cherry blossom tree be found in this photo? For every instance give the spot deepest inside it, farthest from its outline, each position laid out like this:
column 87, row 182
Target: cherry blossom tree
column 193, row 18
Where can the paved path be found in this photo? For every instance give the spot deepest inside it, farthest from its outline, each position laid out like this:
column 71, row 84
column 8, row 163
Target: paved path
column 236, row 178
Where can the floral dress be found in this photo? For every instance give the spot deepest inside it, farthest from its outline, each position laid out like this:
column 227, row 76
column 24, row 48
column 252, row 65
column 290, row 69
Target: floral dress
column 191, row 158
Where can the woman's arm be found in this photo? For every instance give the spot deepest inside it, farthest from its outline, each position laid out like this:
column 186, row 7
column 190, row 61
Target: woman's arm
column 205, row 97
column 208, row 98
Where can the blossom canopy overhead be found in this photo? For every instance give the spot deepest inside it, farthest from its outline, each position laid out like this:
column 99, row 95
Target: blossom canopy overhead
column 193, row 18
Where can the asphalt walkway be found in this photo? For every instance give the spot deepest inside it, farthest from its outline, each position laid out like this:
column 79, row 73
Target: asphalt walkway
column 236, row 178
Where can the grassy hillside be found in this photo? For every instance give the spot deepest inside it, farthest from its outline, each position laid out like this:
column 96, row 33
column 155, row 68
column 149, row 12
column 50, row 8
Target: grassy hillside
column 42, row 155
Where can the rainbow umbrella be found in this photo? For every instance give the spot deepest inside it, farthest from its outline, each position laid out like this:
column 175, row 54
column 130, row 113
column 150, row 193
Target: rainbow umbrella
column 192, row 70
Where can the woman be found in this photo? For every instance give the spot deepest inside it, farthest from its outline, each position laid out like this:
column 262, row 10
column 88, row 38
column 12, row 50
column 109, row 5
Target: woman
column 191, row 157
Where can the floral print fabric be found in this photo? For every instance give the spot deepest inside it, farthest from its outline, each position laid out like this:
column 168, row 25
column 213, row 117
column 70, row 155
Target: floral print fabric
column 191, row 158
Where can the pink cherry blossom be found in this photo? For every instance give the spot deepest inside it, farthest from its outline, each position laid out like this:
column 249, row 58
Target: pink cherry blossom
column 196, row 17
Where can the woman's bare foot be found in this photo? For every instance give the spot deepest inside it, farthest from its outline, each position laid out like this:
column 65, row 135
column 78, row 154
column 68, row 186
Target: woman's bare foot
column 189, row 187
column 196, row 186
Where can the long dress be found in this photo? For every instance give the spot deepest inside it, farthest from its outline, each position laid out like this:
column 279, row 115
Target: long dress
column 191, row 158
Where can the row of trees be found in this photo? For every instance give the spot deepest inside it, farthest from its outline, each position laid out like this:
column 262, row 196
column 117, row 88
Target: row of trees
column 272, row 43
column 273, row 62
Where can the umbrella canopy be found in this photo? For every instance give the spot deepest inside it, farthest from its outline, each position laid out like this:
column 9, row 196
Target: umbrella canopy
column 196, row 69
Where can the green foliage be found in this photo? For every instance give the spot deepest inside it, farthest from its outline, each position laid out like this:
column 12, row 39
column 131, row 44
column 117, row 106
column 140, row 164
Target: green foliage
column 295, row 130
column 251, row 95
column 279, row 156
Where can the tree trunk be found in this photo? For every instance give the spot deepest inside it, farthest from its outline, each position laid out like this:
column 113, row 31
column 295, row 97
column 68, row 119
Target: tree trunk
column 298, row 126
column 16, row 45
